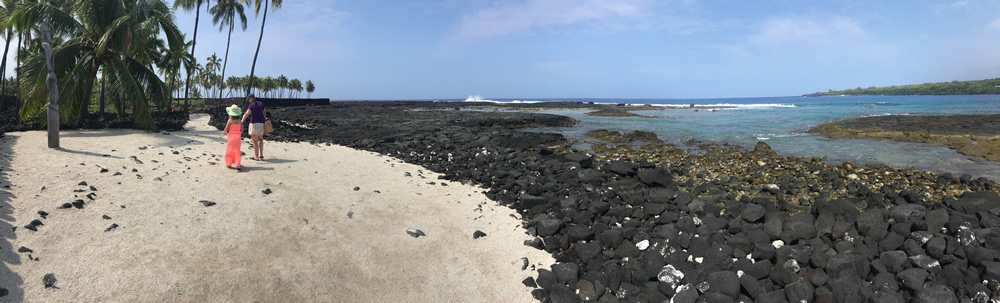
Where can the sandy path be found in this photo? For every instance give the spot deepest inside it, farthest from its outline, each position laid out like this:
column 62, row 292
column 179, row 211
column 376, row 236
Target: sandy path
column 313, row 238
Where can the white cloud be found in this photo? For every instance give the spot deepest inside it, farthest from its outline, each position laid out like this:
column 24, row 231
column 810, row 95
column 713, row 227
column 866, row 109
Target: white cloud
column 823, row 36
column 995, row 24
column 808, row 31
column 506, row 19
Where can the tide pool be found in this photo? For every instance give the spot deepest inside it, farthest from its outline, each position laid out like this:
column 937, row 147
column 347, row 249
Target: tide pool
column 783, row 123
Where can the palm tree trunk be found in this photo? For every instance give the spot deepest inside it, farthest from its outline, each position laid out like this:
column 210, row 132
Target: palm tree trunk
column 17, row 71
column 226, row 60
column 255, row 54
column 102, row 94
column 170, row 89
column 3, row 66
column 87, row 91
column 53, row 86
column 194, row 42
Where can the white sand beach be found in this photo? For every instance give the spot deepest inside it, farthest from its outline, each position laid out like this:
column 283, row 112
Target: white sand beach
column 313, row 238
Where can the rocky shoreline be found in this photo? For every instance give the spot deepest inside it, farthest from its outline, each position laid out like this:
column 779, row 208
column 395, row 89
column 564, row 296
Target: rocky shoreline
column 976, row 136
column 713, row 222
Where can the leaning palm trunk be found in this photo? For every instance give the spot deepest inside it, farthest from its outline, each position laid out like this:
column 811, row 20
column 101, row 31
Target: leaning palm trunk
column 226, row 60
column 194, row 42
column 255, row 54
column 3, row 66
column 53, row 87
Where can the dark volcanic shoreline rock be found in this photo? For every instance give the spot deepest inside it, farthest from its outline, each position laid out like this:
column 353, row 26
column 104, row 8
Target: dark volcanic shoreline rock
column 977, row 136
column 714, row 223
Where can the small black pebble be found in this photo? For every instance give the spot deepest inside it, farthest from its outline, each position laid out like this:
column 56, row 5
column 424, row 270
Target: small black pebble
column 92, row 188
column 50, row 280
column 83, row 183
column 105, row 217
column 206, row 202
column 31, row 227
column 478, row 234
column 24, row 250
column 43, row 214
column 65, row 206
column 112, row 227
column 78, row 204
column 266, row 191
column 413, row 232
column 104, row 170
column 356, row 188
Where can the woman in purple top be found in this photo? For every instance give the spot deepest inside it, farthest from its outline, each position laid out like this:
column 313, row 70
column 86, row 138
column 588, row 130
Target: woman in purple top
column 256, row 113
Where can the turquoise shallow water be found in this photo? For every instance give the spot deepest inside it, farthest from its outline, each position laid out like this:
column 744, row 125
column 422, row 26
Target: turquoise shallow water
column 783, row 123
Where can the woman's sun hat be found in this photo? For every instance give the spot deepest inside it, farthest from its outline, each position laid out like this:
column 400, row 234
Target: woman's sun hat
column 233, row 110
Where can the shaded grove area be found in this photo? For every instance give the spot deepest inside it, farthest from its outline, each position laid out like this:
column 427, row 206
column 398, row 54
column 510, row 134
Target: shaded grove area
column 648, row 222
column 10, row 119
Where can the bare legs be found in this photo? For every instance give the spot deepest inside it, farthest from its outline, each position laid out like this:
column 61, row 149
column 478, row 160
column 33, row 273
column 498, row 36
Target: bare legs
column 258, row 146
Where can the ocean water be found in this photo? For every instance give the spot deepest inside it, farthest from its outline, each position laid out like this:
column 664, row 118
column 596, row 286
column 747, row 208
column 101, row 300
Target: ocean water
column 783, row 123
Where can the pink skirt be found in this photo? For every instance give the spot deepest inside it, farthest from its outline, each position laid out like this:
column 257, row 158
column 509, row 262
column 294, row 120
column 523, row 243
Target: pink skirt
column 233, row 145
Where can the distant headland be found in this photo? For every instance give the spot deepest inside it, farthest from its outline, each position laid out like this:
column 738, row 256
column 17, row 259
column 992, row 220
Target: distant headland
column 978, row 87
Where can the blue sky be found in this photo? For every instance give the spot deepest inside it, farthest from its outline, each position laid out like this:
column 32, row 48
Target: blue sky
column 413, row 49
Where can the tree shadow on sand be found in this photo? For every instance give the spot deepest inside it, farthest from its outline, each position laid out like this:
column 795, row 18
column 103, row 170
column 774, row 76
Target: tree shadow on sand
column 10, row 283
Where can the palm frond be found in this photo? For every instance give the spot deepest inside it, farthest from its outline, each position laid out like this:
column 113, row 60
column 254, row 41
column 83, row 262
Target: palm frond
column 29, row 14
column 123, row 82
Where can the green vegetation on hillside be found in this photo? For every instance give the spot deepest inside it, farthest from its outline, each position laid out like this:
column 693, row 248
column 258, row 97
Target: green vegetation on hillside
column 979, row 87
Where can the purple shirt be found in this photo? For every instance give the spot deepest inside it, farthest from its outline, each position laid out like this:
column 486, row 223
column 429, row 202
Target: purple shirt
column 256, row 112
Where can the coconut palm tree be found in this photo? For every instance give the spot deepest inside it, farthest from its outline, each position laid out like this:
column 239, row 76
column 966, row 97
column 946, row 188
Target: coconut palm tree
column 282, row 85
column 310, row 88
column 6, row 12
column 275, row 4
column 296, row 86
column 188, row 5
column 212, row 64
column 224, row 14
column 171, row 61
column 115, row 37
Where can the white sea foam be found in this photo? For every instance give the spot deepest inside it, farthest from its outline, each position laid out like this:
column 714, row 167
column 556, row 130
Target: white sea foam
column 478, row 98
column 886, row 114
column 783, row 135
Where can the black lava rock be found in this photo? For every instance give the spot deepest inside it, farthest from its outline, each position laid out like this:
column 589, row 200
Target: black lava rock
column 413, row 232
column 566, row 272
column 752, row 212
column 49, row 280
column 935, row 294
column 207, row 203
column 725, row 282
column 478, row 234
column 580, row 232
column 548, row 227
column 658, row 177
